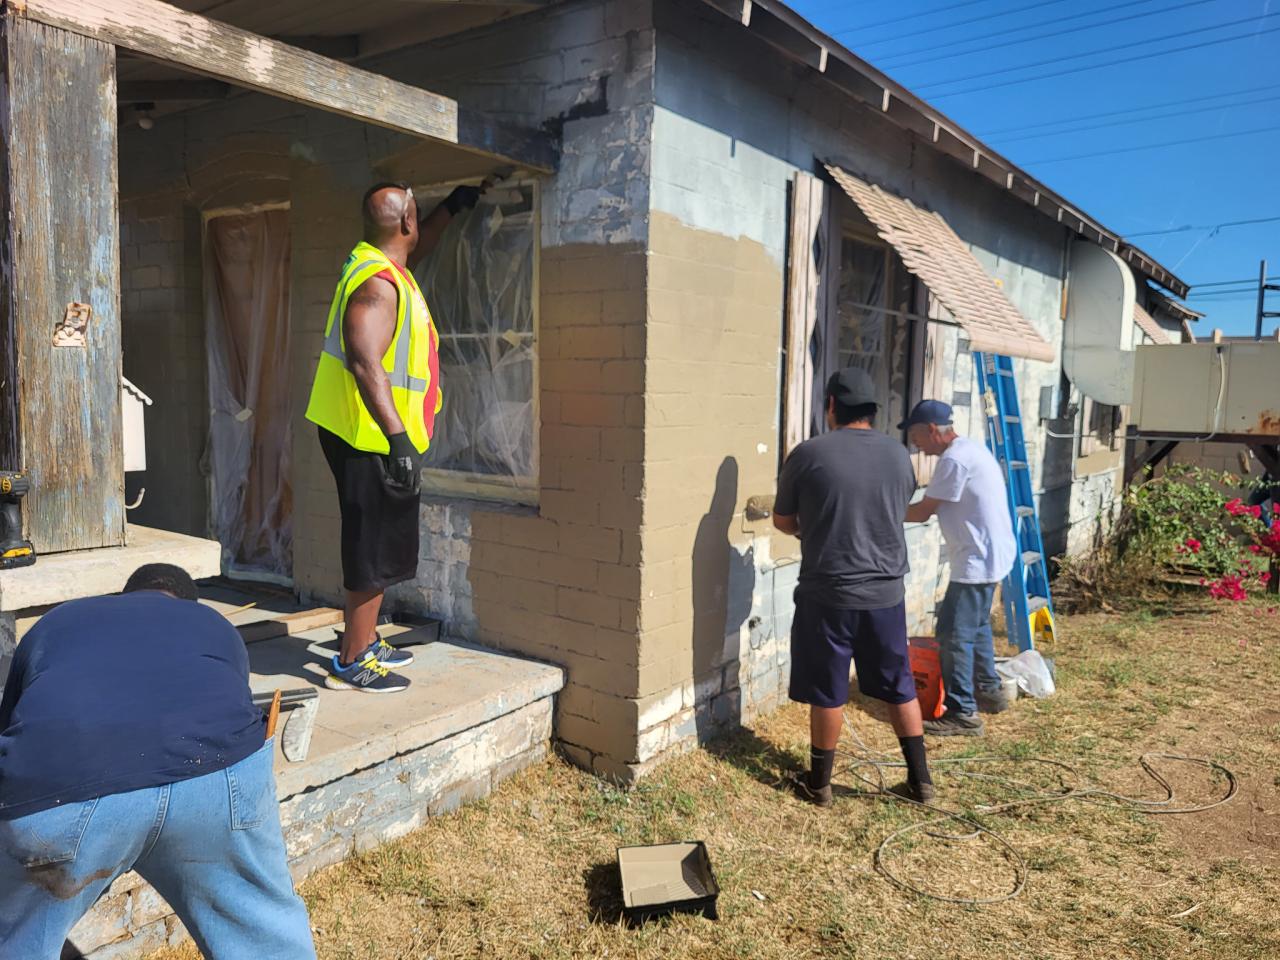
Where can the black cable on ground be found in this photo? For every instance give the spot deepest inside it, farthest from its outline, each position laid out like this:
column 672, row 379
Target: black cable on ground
column 864, row 757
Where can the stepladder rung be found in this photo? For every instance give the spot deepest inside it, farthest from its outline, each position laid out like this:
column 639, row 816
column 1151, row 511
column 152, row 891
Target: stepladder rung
column 1036, row 603
column 1017, row 464
column 1030, row 558
column 1025, row 512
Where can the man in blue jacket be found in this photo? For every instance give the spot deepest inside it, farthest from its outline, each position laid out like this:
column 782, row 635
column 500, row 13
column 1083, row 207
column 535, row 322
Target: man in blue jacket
column 129, row 741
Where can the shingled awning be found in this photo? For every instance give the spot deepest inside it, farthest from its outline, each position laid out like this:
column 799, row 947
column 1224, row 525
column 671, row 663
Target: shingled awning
column 1147, row 324
column 932, row 251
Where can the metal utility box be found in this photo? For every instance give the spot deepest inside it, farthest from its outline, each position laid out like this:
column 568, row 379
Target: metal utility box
column 1208, row 389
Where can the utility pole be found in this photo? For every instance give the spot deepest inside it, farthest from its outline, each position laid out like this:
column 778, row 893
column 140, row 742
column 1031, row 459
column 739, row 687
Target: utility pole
column 1263, row 287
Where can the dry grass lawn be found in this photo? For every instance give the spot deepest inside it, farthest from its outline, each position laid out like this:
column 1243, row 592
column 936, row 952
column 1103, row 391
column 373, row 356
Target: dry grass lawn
column 530, row 872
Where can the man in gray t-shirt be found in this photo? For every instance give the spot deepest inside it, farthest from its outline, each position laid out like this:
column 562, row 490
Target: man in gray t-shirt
column 845, row 495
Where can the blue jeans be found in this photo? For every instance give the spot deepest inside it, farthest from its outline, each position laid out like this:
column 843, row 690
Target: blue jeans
column 965, row 646
column 211, row 846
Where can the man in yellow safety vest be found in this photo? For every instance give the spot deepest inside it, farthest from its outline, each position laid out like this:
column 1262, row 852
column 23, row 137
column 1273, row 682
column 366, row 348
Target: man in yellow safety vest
column 375, row 397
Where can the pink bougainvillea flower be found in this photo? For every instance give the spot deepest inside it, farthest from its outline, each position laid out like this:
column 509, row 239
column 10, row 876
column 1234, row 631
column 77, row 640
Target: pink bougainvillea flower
column 1264, row 577
column 1255, row 511
column 1255, row 548
column 1234, row 507
column 1193, row 544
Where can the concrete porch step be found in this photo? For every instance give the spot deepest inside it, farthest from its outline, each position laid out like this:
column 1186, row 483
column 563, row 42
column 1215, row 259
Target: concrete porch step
column 378, row 767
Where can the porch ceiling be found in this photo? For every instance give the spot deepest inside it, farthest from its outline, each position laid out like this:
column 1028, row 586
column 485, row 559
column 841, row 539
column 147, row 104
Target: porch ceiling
column 180, row 41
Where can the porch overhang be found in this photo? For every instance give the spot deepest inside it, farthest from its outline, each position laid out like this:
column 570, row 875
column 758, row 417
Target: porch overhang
column 934, row 253
column 227, row 53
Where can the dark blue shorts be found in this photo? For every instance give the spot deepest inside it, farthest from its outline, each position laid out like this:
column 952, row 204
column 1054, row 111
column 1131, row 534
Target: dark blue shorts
column 824, row 640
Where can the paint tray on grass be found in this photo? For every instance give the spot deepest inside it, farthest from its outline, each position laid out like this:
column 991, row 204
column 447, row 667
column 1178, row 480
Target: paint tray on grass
column 667, row 878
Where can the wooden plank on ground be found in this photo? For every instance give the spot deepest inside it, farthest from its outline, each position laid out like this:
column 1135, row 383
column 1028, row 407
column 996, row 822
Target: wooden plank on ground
column 290, row 624
column 224, row 52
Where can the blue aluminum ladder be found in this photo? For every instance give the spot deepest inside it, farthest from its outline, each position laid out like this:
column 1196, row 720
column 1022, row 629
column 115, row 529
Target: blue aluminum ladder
column 1028, row 607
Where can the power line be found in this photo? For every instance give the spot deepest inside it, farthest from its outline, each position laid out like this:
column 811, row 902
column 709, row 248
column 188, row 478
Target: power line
column 914, row 16
column 1107, row 63
column 1128, row 120
column 1091, row 53
column 1126, row 110
column 1227, row 283
column 948, row 26
column 1153, row 146
column 984, row 48
column 1212, row 226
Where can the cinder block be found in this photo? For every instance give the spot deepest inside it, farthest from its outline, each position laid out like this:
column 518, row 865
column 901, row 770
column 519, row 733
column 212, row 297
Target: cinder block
column 142, row 941
column 594, row 542
column 106, row 922
column 587, row 607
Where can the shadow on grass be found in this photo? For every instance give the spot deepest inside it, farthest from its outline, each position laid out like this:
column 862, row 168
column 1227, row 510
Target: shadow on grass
column 604, row 894
column 759, row 759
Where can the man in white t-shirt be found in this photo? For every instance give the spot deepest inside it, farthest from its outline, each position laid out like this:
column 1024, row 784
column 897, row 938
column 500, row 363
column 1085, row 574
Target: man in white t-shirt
column 967, row 493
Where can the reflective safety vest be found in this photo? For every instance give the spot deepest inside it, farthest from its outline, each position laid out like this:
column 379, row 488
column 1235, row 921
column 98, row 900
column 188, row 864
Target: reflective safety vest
column 336, row 403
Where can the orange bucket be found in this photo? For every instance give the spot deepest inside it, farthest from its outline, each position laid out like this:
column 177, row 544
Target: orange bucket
column 926, row 670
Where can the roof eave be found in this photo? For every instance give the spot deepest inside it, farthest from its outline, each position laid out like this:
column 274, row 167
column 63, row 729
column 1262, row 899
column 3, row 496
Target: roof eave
column 783, row 28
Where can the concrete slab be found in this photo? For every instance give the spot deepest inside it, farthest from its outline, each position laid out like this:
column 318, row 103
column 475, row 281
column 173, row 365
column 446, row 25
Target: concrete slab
column 454, row 687
column 58, row 577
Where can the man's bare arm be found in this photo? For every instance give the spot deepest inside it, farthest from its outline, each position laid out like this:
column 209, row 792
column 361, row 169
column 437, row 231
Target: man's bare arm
column 789, row 524
column 367, row 328
column 430, row 229
column 922, row 511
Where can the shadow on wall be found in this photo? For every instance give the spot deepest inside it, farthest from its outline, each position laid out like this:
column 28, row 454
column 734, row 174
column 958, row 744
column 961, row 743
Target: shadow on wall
column 723, row 578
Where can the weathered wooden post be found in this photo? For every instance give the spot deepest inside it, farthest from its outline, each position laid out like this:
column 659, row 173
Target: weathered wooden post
column 60, row 283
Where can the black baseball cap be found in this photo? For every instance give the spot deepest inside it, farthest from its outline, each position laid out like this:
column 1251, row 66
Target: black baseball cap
column 852, row 387
column 928, row 411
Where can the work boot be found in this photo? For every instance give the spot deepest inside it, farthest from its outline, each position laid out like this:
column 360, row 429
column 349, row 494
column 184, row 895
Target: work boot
column 956, row 725
column 799, row 784
column 915, row 792
column 994, row 701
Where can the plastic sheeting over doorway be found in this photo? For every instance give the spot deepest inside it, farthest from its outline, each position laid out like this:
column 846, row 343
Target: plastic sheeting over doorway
column 247, row 319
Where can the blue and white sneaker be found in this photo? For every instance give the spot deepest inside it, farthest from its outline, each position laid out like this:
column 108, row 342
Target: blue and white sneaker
column 366, row 675
column 387, row 655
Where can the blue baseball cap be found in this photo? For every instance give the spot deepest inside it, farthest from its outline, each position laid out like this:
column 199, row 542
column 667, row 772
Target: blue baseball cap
column 928, row 411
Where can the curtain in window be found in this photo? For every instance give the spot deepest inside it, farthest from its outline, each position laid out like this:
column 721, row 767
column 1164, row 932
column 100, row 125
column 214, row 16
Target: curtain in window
column 247, row 319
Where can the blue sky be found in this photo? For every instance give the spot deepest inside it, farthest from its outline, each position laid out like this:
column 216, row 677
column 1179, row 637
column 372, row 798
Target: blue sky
column 1167, row 96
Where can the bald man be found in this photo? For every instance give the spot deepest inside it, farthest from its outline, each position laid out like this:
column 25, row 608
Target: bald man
column 375, row 398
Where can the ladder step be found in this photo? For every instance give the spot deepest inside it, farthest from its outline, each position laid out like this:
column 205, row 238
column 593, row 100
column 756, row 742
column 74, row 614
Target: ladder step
column 1009, row 419
column 1017, row 464
column 1024, row 512
column 1030, row 558
column 1036, row 603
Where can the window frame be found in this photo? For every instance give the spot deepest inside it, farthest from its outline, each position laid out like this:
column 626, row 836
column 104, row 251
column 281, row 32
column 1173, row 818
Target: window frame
column 524, row 491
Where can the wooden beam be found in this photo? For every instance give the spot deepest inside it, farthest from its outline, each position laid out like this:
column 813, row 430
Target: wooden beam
column 160, row 91
column 60, row 259
column 165, row 33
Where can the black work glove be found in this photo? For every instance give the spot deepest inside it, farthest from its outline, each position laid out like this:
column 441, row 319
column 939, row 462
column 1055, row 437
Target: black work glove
column 462, row 198
column 403, row 462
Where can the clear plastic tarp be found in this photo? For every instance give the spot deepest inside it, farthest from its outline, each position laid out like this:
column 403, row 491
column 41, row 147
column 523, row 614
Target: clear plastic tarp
column 479, row 285
column 247, row 319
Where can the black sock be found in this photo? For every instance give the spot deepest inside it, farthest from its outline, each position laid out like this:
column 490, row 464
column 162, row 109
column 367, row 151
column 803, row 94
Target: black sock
column 820, row 764
column 913, row 753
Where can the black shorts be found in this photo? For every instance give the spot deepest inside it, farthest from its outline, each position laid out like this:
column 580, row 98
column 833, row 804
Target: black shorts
column 824, row 640
column 379, row 518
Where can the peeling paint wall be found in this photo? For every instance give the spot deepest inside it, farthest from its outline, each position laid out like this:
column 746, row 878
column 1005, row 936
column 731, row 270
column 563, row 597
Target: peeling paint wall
column 734, row 122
